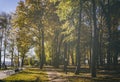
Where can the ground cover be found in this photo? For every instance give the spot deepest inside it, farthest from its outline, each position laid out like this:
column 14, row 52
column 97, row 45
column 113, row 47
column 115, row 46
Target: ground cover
column 27, row 75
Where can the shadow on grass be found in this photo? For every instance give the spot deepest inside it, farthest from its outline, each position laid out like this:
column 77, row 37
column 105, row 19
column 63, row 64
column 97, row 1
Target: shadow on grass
column 89, row 79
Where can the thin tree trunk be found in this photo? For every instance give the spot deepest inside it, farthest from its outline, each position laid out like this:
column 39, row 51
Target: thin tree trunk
column 12, row 56
column 18, row 58
column 1, row 37
column 22, row 62
column 91, row 39
column 5, row 43
column 65, row 57
column 101, row 54
column 68, row 54
column 0, row 57
column 72, row 58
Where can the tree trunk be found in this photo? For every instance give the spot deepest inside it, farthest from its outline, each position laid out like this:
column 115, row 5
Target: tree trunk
column 101, row 51
column 0, row 57
column 108, row 23
column 77, row 71
column 72, row 57
column 108, row 19
column 43, row 50
column 68, row 54
column 56, row 58
column 12, row 57
column 65, row 57
column 59, row 42
column 98, row 47
column 1, row 37
column 94, row 51
column 5, row 44
column 18, row 59
column 57, row 45
column 115, row 57
column 22, row 62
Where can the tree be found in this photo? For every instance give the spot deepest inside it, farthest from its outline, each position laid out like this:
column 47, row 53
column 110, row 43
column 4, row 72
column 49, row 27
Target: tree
column 12, row 33
column 1, row 35
column 23, row 37
column 78, row 39
column 5, row 19
column 94, row 54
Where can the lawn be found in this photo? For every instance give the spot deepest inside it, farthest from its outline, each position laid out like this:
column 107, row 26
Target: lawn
column 28, row 75
column 37, row 75
column 89, row 79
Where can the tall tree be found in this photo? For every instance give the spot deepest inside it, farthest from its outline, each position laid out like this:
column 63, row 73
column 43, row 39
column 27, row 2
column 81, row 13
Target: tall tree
column 94, row 51
column 5, row 26
column 78, row 38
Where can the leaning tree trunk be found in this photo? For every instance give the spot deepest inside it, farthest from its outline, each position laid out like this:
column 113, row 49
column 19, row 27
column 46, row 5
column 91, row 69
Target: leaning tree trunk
column 77, row 71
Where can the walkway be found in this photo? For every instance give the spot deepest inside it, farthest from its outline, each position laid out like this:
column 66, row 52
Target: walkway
column 6, row 73
column 55, row 76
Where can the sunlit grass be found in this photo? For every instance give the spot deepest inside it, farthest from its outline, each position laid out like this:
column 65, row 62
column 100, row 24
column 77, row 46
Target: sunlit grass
column 79, row 80
column 28, row 75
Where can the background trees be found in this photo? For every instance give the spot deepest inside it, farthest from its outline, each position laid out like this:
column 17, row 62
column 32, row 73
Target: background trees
column 67, row 32
column 5, row 26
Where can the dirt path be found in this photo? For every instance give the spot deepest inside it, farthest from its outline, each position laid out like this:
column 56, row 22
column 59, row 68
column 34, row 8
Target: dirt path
column 55, row 76
column 6, row 73
column 3, row 75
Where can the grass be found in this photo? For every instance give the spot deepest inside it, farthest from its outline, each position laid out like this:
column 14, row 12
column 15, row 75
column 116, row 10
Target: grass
column 37, row 75
column 79, row 80
column 28, row 75
column 89, row 79
column 85, row 76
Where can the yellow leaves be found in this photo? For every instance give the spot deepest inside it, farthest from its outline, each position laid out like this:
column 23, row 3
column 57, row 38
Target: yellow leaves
column 66, row 26
column 64, row 8
column 68, row 30
column 21, row 6
column 23, row 40
column 28, row 2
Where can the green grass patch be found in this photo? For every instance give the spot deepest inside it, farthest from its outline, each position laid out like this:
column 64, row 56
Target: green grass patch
column 79, row 80
column 28, row 75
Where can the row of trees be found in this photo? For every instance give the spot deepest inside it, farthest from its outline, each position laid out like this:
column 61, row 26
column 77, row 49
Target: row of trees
column 4, row 28
column 67, row 32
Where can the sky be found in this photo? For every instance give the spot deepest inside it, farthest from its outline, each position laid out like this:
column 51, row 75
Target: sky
column 8, row 5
